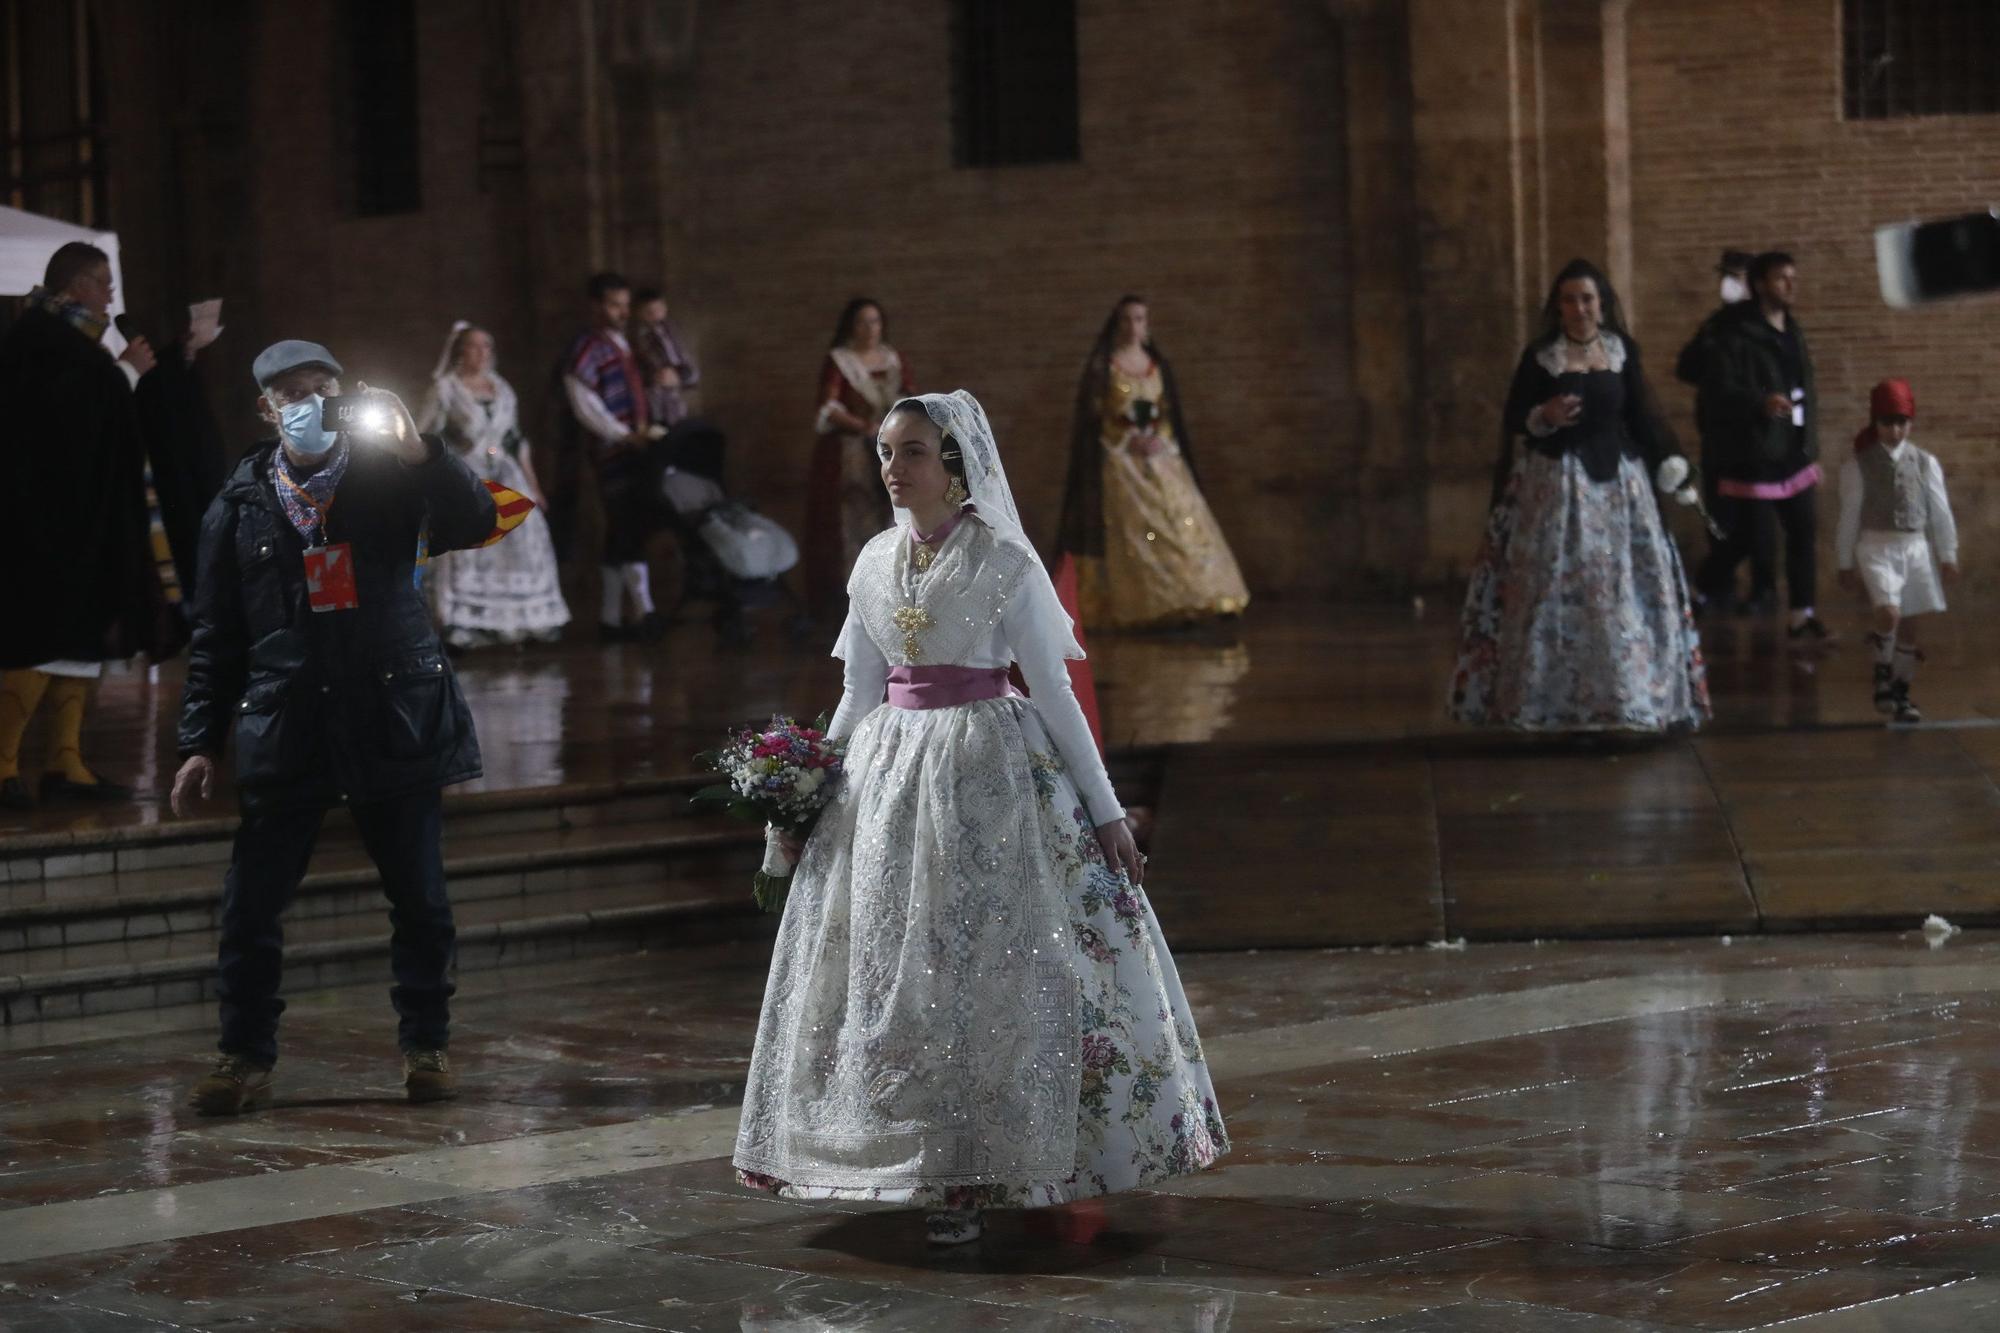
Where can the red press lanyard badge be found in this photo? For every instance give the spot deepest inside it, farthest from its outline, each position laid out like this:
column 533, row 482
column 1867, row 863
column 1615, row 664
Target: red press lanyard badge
column 329, row 569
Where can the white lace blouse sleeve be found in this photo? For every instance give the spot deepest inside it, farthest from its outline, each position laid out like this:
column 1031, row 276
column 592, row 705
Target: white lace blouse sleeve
column 1943, row 529
column 591, row 411
column 1849, row 532
column 1037, row 630
column 864, row 677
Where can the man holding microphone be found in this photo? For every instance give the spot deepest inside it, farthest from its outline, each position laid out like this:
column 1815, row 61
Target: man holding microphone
column 311, row 640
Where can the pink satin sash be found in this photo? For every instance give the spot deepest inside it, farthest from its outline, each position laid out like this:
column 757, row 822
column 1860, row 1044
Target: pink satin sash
column 920, row 687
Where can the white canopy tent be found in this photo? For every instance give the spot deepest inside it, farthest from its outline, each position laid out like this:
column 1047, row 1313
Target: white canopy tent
column 26, row 242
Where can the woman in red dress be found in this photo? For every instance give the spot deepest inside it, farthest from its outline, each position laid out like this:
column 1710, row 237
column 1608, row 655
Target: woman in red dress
column 860, row 379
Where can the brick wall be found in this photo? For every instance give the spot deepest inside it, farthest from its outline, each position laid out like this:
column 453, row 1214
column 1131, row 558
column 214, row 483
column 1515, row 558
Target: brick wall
column 1737, row 140
column 804, row 155
column 1211, row 182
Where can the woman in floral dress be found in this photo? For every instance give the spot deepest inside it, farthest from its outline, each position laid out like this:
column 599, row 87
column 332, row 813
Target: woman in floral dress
column 970, row 1002
column 1577, row 617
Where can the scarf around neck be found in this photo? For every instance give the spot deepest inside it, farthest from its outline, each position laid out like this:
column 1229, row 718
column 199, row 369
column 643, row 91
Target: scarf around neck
column 320, row 484
column 73, row 313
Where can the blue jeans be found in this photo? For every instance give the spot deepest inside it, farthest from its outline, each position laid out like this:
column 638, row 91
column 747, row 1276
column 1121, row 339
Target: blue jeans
column 404, row 838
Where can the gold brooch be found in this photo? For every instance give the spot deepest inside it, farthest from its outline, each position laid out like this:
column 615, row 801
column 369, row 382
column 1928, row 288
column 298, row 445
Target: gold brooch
column 913, row 620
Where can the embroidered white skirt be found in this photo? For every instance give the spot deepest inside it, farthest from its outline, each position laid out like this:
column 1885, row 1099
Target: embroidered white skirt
column 966, row 1007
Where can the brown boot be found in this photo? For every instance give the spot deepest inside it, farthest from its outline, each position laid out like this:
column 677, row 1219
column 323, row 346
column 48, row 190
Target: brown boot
column 427, row 1076
column 236, row 1084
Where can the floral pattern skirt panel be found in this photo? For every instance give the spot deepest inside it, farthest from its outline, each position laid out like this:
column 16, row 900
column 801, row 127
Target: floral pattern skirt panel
column 1166, row 562
column 509, row 592
column 966, row 1007
column 1577, row 617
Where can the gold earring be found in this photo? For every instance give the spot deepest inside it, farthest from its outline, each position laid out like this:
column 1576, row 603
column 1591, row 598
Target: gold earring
column 956, row 494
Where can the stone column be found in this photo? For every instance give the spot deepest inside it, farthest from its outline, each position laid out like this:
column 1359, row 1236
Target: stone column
column 1584, row 154
column 1474, row 117
column 1384, row 314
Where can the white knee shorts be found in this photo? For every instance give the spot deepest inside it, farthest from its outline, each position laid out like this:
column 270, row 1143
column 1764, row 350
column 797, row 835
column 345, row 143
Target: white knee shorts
column 1897, row 570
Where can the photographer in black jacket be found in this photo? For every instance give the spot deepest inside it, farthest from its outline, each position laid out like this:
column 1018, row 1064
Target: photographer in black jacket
column 311, row 640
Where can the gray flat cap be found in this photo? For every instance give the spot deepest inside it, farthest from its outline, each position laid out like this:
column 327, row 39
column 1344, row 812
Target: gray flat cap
column 290, row 354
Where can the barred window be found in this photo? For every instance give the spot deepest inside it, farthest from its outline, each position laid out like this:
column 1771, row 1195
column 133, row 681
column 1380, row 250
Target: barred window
column 52, row 99
column 1919, row 58
column 1014, row 82
column 383, row 145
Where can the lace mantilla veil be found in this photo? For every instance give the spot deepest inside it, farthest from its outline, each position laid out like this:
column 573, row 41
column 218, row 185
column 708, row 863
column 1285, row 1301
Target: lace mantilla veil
column 959, row 415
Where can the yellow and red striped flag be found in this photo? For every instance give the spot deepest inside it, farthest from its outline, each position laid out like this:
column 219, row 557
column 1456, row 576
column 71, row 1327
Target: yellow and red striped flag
column 510, row 510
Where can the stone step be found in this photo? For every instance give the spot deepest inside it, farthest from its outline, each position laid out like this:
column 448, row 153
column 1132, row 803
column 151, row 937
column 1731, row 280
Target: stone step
column 523, row 883
column 180, row 969
column 85, row 909
column 84, row 852
column 100, row 920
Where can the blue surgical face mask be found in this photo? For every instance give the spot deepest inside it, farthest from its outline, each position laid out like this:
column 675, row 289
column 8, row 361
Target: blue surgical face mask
column 300, row 423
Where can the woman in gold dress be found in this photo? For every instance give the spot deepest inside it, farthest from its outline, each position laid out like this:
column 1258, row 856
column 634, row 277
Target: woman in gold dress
column 1148, row 552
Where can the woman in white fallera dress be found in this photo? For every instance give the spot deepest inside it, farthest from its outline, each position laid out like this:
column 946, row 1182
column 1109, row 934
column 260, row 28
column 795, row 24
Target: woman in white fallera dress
column 970, row 1002
column 509, row 592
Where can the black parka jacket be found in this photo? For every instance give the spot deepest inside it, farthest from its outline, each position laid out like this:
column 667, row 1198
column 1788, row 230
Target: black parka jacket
column 74, row 542
column 359, row 704
column 1744, row 364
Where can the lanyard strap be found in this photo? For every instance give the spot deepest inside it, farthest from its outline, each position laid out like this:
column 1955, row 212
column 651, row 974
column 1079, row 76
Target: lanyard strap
column 320, row 508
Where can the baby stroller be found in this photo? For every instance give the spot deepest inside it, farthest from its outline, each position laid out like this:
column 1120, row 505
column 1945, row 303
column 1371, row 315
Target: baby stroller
column 731, row 555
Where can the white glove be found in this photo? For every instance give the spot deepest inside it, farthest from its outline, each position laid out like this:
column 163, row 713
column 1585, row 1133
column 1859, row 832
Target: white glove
column 1672, row 475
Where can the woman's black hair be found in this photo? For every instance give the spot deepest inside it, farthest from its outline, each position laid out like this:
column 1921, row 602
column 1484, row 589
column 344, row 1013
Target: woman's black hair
column 1610, row 313
column 1107, row 337
column 851, row 312
column 949, row 451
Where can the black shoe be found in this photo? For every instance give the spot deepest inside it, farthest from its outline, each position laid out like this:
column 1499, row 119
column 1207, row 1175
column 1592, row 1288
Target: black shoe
column 1885, row 689
column 652, row 627
column 613, row 633
column 14, row 795
column 1813, row 633
column 1907, row 713
column 1758, row 605
column 56, row 787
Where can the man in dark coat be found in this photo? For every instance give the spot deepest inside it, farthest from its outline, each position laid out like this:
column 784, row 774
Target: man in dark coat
column 1733, row 271
column 1760, row 407
column 311, row 640
column 80, row 587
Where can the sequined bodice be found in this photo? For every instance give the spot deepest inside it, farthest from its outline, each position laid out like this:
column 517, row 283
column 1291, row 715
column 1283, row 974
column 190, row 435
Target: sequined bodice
column 1122, row 391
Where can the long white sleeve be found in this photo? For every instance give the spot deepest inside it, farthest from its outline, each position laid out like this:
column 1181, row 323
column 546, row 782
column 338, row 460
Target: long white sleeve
column 432, row 415
column 1849, row 531
column 1037, row 630
column 592, row 412
column 1943, row 528
column 864, row 678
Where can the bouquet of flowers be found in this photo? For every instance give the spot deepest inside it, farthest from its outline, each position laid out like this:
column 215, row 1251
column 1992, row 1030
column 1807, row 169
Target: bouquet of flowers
column 780, row 775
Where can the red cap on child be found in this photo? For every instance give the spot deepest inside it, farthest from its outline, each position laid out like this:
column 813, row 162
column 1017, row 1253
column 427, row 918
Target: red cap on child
column 1892, row 398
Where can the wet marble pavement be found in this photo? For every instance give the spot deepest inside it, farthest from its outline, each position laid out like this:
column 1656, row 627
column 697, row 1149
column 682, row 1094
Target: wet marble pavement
column 1607, row 1136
